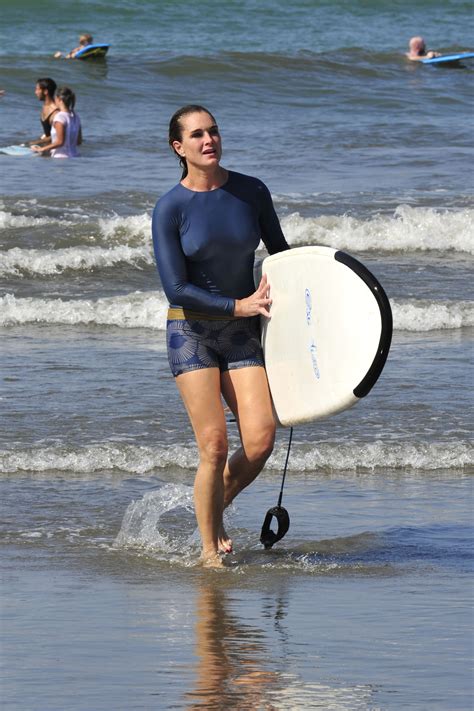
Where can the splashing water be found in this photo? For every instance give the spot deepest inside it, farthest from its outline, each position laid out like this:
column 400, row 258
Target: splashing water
column 162, row 521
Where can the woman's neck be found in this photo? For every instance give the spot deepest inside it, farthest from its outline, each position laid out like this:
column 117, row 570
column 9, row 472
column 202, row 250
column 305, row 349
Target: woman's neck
column 203, row 181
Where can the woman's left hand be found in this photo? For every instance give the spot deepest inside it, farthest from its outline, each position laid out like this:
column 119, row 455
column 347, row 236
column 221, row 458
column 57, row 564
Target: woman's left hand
column 257, row 303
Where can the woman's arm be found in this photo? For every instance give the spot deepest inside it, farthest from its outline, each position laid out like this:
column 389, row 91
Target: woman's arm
column 271, row 232
column 60, row 138
column 40, row 141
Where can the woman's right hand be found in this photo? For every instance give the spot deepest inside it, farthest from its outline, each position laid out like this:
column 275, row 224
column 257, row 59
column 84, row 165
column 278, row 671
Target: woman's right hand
column 257, row 303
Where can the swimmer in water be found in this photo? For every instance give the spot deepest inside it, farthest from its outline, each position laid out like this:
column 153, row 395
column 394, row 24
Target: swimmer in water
column 66, row 133
column 205, row 233
column 417, row 50
column 45, row 90
column 84, row 40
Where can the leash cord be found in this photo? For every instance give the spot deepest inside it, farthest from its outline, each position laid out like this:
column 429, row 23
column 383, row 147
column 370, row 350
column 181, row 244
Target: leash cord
column 285, row 467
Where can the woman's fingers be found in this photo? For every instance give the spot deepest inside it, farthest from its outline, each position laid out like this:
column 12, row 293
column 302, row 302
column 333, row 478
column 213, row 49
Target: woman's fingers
column 257, row 303
column 263, row 287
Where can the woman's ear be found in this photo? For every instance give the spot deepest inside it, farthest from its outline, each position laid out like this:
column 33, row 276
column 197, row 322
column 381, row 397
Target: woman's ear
column 178, row 148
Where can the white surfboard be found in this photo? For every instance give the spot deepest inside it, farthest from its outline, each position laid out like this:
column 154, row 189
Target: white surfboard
column 329, row 333
column 16, row 151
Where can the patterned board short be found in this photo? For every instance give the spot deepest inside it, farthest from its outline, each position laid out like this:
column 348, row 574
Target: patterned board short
column 226, row 344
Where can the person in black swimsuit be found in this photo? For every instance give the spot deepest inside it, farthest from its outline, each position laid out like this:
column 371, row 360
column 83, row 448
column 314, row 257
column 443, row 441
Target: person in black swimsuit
column 45, row 90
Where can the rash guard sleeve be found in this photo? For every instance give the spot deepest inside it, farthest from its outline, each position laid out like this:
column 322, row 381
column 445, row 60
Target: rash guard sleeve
column 271, row 232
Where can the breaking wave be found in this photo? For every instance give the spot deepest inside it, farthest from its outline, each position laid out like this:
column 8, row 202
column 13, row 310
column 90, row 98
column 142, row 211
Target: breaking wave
column 128, row 239
column 305, row 458
column 148, row 310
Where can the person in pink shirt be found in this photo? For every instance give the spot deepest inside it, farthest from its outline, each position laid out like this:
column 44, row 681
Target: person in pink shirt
column 66, row 131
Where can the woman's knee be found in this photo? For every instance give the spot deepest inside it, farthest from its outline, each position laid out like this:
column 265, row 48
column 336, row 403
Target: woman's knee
column 213, row 448
column 259, row 444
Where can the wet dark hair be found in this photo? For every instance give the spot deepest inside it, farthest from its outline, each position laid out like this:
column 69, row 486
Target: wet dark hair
column 175, row 132
column 68, row 97
column 48, row 85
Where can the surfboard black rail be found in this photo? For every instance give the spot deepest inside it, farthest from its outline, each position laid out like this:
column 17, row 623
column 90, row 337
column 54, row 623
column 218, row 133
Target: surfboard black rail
column 373, row 373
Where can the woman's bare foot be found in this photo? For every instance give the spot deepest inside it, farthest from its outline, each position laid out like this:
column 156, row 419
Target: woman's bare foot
column 211, row 560
column 225, row 543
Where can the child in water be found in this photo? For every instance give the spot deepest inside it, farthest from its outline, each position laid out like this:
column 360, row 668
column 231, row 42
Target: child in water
column 84, row 40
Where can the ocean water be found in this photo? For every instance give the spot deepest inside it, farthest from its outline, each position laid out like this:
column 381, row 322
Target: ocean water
column 367, row 602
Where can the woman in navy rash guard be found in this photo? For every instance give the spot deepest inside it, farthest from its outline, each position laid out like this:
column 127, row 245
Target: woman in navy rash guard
column 205, row 233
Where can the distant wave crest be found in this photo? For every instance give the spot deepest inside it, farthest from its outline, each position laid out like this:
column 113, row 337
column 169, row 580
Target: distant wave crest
column 46, row 262
column 127, row 240
column 135, row 310
column 409, row 229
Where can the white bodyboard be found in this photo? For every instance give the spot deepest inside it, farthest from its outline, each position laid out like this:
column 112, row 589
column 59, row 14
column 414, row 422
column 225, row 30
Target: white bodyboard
column 329, row 333
column 17, row 151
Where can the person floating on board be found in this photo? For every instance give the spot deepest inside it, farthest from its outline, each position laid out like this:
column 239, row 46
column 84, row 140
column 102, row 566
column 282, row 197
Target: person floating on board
column 417, row 50
column 84, row 41
column 205, row 233
column 45, row 89
column 66, row 133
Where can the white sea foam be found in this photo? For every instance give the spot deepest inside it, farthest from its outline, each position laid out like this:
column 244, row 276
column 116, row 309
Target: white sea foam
column 148, row 310
column 408, row 229
column 100, row 457
column 423, row 315
column 133, row 225
column 109, row 227
column 16, row 261
column 9, row 220
column 347, row 457
column 135, row 310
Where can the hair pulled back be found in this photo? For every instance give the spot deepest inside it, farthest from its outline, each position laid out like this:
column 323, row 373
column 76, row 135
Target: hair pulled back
column 68, row 97
column 175, row 132
column 48, row 85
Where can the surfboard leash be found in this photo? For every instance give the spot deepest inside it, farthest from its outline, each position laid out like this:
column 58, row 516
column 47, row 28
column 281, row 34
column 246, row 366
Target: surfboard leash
column 267, row 536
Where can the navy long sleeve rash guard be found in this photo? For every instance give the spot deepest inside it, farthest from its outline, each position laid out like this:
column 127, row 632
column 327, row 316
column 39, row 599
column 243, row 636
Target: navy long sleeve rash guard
column 205, row 242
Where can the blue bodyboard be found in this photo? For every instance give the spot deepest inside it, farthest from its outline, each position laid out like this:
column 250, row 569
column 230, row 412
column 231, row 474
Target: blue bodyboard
column 92, row 51
column 449, row 58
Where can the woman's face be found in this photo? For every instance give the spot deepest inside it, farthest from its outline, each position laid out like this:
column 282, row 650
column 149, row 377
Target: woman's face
column 200, row 142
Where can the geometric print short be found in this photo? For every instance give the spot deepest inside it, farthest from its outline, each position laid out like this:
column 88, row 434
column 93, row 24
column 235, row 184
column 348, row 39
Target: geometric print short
column 226, row 344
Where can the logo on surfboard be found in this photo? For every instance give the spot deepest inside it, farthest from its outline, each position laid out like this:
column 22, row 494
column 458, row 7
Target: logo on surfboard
column 312, row 345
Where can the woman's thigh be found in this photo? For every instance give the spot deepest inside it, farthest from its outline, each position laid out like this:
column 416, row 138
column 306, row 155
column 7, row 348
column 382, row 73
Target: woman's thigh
column 248, row 396
column 200, row 391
